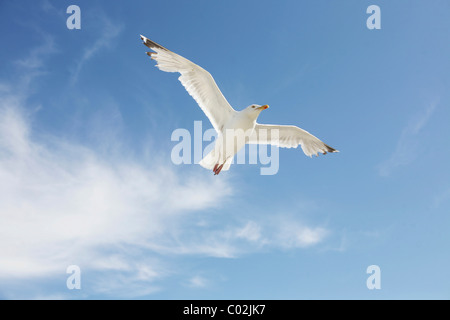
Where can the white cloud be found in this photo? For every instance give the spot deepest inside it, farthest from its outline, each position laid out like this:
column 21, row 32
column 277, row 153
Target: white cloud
column 61, row 202
column 408, row 143
column 197, row 282
column 299, row 236
column 251, row 231
column 287, row 232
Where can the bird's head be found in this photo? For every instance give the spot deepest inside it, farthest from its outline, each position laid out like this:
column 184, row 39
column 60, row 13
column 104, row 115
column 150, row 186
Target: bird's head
column 254, row 110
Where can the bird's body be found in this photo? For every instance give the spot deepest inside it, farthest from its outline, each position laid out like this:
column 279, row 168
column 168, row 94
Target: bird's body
column 234, row 128
column 232, row 138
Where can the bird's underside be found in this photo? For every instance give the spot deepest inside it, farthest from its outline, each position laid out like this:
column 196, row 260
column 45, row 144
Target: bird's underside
column 201, row 86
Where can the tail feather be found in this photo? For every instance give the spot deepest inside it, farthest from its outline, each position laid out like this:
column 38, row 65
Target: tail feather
column 211, row 159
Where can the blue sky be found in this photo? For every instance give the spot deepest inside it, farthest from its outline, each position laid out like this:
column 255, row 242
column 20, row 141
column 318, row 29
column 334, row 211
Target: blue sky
column 86, row 176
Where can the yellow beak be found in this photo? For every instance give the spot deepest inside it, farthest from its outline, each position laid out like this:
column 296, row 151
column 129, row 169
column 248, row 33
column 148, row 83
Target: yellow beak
column 264, row 107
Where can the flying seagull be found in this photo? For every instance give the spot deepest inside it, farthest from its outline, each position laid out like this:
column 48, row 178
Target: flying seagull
column 234, row 128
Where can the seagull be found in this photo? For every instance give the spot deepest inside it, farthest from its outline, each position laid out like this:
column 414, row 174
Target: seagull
column 234, row 128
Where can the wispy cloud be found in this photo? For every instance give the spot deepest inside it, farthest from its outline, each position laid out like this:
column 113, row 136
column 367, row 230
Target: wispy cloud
column 108, row 32
column 197, row 282
column 32, row 65
column 296, row 235
column 49, row 8
column 63, row 203
column 280, row 231
column 408, row 143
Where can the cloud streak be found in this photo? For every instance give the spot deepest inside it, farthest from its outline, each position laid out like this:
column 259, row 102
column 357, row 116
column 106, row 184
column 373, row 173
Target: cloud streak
column 408, row 142
column 32, row 66
column 109, row 32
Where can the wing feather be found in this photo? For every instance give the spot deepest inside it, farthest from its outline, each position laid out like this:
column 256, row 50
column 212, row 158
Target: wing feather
column 197, row 81
column 289, row 137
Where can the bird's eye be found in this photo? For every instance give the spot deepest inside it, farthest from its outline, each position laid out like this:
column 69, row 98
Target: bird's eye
column 253, row 106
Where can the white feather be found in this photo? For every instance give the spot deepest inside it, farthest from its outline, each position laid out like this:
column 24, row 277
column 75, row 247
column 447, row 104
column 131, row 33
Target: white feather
column 288, row 137
column 197, row 81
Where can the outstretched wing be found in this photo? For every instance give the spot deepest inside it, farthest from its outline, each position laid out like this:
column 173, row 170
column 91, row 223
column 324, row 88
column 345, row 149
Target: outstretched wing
column 197, row 81
column 289, row 137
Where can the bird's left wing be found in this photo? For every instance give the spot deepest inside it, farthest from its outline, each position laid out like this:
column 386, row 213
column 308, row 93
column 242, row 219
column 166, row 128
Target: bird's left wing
column 197, row 81
column 289, row 137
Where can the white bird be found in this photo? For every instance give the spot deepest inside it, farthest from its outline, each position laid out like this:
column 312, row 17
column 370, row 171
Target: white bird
column 234, row 128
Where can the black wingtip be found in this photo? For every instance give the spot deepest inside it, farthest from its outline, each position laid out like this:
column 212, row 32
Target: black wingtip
column 151, row 44
column 330, row 149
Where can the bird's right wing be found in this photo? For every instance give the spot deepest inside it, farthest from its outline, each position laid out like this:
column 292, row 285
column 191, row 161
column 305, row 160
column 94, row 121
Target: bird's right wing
column 289, row 137
column 197, row 81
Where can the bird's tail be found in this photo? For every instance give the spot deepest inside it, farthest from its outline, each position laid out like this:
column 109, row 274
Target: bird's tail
column 212, row 158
